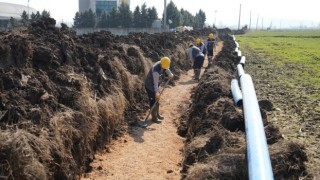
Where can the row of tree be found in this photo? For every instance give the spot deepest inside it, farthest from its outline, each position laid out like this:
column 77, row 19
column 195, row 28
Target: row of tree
column 142, row 17
column 184, row 17
column 26, row 20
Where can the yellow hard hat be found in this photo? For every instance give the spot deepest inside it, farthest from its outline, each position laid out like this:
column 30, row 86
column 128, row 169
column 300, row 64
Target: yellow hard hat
column 198, row 41
column 165, row 62
column 211, row 36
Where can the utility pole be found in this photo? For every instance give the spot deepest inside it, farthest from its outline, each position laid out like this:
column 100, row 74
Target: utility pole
column 239, row 17
column 215, row 18
column 257, row 22
column 165, row 14
column 250, row 22
column 28, row 9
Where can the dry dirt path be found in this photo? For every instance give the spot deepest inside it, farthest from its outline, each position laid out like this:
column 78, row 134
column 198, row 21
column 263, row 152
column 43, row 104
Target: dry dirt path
column 152, row 153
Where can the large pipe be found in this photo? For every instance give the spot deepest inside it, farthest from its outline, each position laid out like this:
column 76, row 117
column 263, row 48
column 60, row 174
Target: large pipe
column 257, row 148
column 236, row 92
column 240, row 70
column 243, row 61
column 237, row 44
column 239, row 53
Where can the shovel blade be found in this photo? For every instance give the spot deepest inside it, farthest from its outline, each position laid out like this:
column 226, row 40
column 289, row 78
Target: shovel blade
column 143, row 123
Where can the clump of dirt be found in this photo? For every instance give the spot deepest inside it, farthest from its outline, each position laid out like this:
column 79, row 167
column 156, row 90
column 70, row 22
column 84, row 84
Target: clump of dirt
column 214, row 129
column 63, row 96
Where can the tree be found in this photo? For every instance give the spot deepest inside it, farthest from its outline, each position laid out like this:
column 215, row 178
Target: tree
column 13, row 22
column 187, row 18
column 144, row 15
column 114, row 18
column 88, row 19
column 125, row 15
column 137, row 17
column 35, row 17
column 45, row 14
column 103, row 23
column 152, row 15
column 173, row 15
column 91, row 18
column 77, row 20
column 200, row 18
column 24, row 18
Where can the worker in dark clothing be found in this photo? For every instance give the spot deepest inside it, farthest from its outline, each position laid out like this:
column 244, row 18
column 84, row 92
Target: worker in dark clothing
column 196, row 57
column 152, row 82
column 210, row 44
column 201, row 46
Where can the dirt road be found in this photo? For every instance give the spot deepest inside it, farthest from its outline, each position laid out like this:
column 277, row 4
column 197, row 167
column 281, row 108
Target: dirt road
column 155, row 152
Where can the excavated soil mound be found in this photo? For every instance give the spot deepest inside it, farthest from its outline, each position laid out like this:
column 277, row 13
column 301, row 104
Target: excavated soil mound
column 63, row 96
column 214, row 129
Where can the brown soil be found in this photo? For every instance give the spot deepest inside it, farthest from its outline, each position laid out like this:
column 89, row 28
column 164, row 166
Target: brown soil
column 155, row 152
column 214, row 130
column 65, row 97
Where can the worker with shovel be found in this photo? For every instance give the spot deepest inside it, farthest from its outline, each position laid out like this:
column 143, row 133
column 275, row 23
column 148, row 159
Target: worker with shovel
column 211, row 44
column 196, row 57
column 152, row 82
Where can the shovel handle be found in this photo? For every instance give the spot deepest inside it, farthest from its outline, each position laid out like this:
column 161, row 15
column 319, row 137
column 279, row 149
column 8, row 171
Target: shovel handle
column 154, row 105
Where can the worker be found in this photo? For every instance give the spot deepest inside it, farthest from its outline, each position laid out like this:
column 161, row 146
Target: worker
column 196, row 57
column 201, row 46
column 210, row 44
column 152, row 82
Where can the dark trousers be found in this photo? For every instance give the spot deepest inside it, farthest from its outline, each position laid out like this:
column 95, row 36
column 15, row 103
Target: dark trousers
column 198, row 62
column 210, row 52
column 151, row 97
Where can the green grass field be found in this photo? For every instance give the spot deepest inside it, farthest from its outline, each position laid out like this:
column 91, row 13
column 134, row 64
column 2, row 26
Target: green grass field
column 297, row 49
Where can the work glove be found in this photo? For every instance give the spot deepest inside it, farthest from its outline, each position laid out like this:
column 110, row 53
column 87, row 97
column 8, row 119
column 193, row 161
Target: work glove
column 157, row 96
column 171, row 76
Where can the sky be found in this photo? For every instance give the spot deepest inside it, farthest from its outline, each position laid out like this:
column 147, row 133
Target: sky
column 224, row 13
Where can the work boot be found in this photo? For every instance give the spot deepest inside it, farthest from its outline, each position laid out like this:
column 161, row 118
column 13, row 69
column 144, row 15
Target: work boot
column 154, row 115
column 158, row 115
column 194, row 74
column 197, row 74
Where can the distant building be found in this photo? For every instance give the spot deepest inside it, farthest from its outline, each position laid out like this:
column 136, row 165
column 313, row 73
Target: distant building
column 8, row 10
column 85, row 5
column 125, row 1
column 99, row 6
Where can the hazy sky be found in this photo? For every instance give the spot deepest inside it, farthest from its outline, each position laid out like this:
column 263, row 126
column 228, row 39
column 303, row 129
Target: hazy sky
column 281, row 13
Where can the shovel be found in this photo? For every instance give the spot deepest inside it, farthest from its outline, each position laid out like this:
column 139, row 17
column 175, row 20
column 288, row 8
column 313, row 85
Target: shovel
column 144, row 123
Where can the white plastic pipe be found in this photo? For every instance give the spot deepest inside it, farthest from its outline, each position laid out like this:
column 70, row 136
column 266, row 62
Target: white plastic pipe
column 243, row 61
column 239, row 53
column 257, row 149
column 237, row 44
column 240, row 70
column 236, row 92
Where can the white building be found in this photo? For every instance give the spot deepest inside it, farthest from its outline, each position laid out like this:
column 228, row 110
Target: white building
column 85, row 5
column 8, row 10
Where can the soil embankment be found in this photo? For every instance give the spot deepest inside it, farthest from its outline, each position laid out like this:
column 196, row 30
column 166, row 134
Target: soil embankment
column 155, row 152
column 65, row 97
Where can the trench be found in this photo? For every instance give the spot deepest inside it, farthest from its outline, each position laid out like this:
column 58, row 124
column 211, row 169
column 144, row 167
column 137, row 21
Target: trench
column 155, row 152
